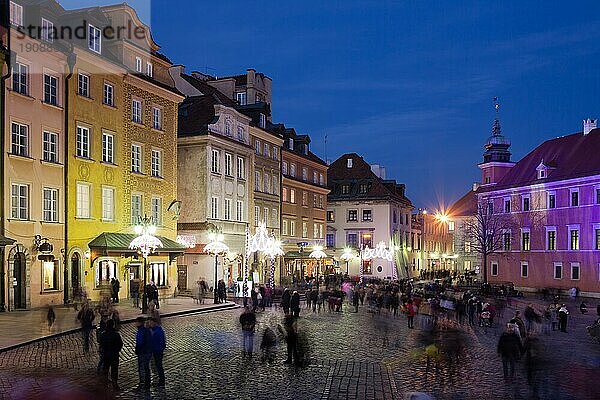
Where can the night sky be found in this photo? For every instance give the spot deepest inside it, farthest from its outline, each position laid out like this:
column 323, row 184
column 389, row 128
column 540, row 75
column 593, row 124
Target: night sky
column 405, row 84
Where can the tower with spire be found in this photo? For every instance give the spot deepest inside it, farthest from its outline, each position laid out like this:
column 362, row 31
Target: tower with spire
column 496, row 158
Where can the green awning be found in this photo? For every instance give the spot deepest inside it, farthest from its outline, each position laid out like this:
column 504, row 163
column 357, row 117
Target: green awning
column 4, row 241
column 108, row 242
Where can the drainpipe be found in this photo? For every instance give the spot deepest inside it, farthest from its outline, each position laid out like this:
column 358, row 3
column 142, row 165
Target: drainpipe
column 5, row 23
column 71, row 59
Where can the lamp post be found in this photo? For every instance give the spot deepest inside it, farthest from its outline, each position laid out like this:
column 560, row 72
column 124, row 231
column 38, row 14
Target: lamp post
column 274, row 250
column 145, row 244
column 347, row 256
column 216, row 247
column 318, row 254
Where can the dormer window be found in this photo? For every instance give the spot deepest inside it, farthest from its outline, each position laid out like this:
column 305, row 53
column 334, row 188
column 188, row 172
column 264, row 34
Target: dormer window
column 291, row 143
column 349, row 163
column 262, row 121
column 541, row 174
column 306, row 149
column 542, row 170
column 94, row 39
column 16, row 14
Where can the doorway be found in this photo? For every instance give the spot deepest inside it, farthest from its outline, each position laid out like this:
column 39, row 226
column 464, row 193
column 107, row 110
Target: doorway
column 20, row 291
column 75, row 279
column 182, row 277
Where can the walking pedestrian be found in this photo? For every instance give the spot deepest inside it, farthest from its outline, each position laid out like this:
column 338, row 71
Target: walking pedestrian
column 143, row 350
column 248, row 322
column 410, row 314
column 285, row 300
column 111, row 344
column 86, row 318
column 355, row 301
column 295, row 304
column 510, row 349
column 134, row 287
column 50, row 316
column 268, row 345
column 290, row 333
column 533, row 361
column 115, row 286
column 158, row 344
column 563, row 315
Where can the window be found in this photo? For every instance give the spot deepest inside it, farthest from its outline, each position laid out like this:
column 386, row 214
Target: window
column 94, row 40
column 321, row 180
column 394, row 217
column 241, row 135
column 490, row 208
column 158, row 273
column 487, row 179
column 267, row 150
column 241, row 98
column 574, row 238
column 262, row 121
column 292, row 228
column 239, row 210
column 304, row 174
column 284, row 194
column 227, row 210
column 551, row 200
column 315, row 231
column 346, row 189
column 47, row 31
column 241, row 169
column 16, row 14
column 275, row 185
column 109, row 94
column 367, row 215
column 320, row 231
column 108, row 204
column 83, row 142
column 138, row 64
column 363, row 188
column 575, row 271
column 136, row 111
column 108, row 146
column 156, row 118
column 284, row 227
column 494, row 269
column 149, row 69
column 256, row 215
column 50, row 89
column 507, row 205
column 524, row 270
column 136, row 158
column 19, row 139
column 293, row 170
column 267, row 183
column 352, row 240
column 558, row 271
column 20, row 78
column 450, row 226
column 83, row 85
column 275, row 153
column 107, row 269
column 352, row 215
column 349, row 163
column 83, row 200
column 597, row 231
column 257, row 147
column 367, row 240
column 257, row 181
column 293, row 196
column 526, row 203
column 597, row 195
column 367, row 266
column 467, row 247
column 136, row 208
column 284, row 168
column 50, row 204
column 156, row 209
column 321, row 201
column 266, row 216
column 214, row 207
column 305, row 199
column 574, row 197
column 50, row 270
column 315, row 177
column 214, row 161
column 50, row 150
column 330, row 240
column 19, row 201
column 541, row 173
column 525, row 240
column 304, row 229
column 506, row 241
column 551, row 239
column 156, row 163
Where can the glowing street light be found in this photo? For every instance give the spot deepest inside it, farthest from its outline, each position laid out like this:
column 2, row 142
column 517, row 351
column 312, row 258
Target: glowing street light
column 216, row 247
column 347, row 256
column 318, row 254
column 145, row 244
column 273, row 250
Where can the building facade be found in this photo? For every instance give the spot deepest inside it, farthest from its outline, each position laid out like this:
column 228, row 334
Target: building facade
column 364, row 209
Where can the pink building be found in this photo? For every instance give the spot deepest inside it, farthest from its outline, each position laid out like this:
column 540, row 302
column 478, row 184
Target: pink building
column 551, row 201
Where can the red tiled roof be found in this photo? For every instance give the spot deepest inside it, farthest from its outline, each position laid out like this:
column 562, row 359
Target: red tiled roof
column 466, row 205
column 571, row 156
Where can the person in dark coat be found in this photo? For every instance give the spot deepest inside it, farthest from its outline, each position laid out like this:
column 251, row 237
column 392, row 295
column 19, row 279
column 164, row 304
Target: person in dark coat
column 115, row 287
column 285, row 300
column 158, row 344
column 563, row 315
column 533, row 350
column 111, row 344
column 510, row 349
column 86, row 318
column 268, row 345
column 248, row 322
column 291, row 338
column 295, row 304
column 143, row 350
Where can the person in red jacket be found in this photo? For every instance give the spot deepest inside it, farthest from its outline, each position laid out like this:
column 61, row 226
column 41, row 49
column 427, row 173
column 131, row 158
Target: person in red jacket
column 410, row 313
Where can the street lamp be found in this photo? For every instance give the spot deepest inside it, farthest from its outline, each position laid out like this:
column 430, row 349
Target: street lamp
column 347, row 256
column 145, row 244
column 216, row 247
column 318, row 254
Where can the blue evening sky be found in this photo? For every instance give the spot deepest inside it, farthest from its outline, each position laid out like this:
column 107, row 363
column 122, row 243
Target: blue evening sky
column 405, row 84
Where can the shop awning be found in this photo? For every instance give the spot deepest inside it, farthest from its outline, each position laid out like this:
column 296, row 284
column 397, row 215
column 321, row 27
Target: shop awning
column 4, row 241
column 107, row 243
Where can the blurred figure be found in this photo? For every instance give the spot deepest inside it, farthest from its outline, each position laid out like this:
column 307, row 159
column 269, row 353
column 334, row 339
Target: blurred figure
column 295, row 304
column 563, row 315
column 520, row 326
column 111, row 344
column 289, row 332
column 158, row 343
column 115, row 286
column 286, row 297
column 268, row 345
column 248, row 322
column 198, row 291
column 50, row 316
column 143, row 350
column 510, row 349
column 86, row 318
column 533, row 350
column 153, row 312
column 134, row 287
column 583, row 308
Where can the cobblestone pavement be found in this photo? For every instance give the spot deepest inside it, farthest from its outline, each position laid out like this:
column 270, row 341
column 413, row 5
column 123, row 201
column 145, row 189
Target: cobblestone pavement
column 353, row 356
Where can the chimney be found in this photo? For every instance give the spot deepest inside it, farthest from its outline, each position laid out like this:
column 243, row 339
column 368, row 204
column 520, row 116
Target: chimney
column 476, row 186
column 588, row 125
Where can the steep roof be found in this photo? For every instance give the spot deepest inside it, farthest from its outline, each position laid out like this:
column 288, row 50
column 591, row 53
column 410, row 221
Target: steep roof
column 466, row 205
column 360, row 172
column 571, row 156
